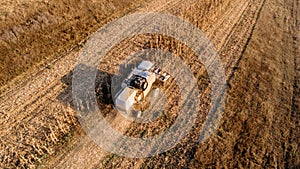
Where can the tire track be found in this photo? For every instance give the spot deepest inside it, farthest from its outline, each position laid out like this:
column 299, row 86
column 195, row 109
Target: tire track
column 291, row 154
column 246, row 35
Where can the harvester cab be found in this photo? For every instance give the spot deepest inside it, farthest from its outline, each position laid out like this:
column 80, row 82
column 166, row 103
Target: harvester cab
column 138, row 85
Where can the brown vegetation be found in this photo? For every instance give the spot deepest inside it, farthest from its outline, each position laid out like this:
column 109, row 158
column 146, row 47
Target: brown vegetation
column 33, row 33
column 257, row 40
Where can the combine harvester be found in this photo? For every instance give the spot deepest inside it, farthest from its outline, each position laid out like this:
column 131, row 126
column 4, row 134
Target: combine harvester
column 137, row 86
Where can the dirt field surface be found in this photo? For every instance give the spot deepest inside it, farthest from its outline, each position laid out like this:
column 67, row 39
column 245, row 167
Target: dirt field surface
column 257, row 41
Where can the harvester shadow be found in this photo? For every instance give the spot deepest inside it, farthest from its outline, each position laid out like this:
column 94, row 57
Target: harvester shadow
column 102, row 88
